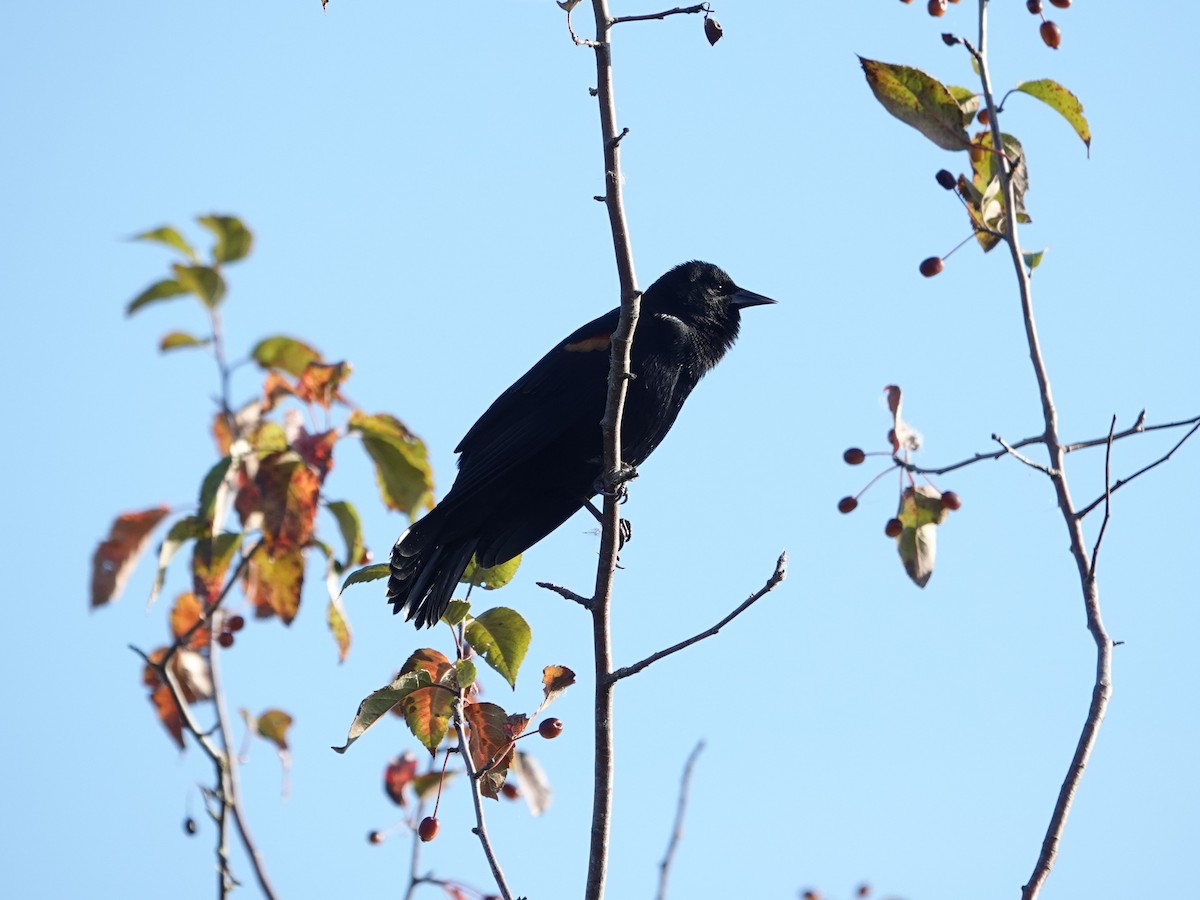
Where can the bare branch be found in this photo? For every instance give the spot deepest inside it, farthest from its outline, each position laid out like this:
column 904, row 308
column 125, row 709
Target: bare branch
column 566, row 593
column 664, row 868
column 1107, row 500
column 776, row 577
column 1142, row 471
column 677, row 11
column 1046, row 470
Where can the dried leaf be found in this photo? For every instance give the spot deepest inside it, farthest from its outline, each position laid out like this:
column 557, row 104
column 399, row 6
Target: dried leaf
column 117, row 556
column 919, row 100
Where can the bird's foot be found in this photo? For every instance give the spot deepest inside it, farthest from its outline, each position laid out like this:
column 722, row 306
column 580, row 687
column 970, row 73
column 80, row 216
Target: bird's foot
column 612, row 484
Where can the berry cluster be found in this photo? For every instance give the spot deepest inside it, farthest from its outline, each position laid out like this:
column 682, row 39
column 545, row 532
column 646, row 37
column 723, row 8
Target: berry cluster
column 1051, row 33
column 855, row 456
column 229, row 628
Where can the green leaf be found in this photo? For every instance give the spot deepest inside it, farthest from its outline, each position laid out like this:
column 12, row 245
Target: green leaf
column 401, row 462
column 1032, row 259
column 273, row 726
column 968, row 101
column 921, row 511
column 209, row 488
column 160, row 290
column 203, row 281
column 1062, row 101
column 464, row 673
column 367, row 573
column 502, row 638
column 186, row 529
column 379, row 702
column 175, row 340
column 490, row 577
column 455, row 612
column 233, row 237
column 919, row 100
column 169, row 236
column 284, row 353
column 351, row 527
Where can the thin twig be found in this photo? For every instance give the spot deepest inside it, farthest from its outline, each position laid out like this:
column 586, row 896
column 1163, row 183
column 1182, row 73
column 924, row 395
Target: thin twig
column 205, row 621
column 1107, row 501
column 1102, row 685
column 1011, row 451
column 566, row 593
column 777, row 576
column 677, row 11
column 480, row 829
column 1142, row 471
column 230, row 785
column 664, row 867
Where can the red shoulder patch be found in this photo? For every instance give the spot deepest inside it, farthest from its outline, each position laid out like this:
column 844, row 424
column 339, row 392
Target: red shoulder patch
column 595, row 342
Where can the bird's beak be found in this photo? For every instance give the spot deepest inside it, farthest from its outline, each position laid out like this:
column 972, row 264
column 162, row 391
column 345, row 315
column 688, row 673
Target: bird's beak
column 743, row 298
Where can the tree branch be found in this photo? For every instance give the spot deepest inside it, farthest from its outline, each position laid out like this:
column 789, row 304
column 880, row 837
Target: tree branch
column 480, row 829
column 677, row 11
column 1142, row 471
column 1011, row 451
column 777, row 576
column 664, row 868
column 1102, row 685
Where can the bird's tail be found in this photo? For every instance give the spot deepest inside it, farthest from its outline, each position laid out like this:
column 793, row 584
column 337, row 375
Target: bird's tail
column 426, row 567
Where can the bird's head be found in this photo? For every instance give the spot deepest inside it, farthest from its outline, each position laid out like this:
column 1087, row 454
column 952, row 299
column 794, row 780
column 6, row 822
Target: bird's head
column 704, row 298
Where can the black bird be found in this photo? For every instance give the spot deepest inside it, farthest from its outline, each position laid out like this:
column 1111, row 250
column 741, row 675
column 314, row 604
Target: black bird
column 533, row 459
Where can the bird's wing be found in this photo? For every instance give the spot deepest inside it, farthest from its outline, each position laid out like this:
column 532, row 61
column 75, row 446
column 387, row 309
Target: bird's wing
column 565, row 386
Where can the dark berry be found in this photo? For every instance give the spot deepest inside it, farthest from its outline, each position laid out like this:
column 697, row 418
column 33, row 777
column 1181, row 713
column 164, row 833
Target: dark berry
column 893, row 528
column 930, row 267
column 1061, row 4
column 189, row 826
column 509, row 790
column 235, row 623
column 1034, row 6
column 946, row 180
column 428, row 829
column 1051, row 35
column 374, row 837
column 847, row 505
column 951, row 500
column 854, row 456
column 983, row 117
column 550, row 728
column 225, row 639
column 937, row 7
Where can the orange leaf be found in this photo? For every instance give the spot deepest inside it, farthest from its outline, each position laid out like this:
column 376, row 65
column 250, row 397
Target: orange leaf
column 319, row 383
column 491, row 733
column 427, row 711
column 432, row 661
column 115, row 558
column 317, row 450
column 273, row 584
column 273, row 725
column 211, row 558
column 168, row 713
column 289, row 491
column 275, row 388
column 188, row 611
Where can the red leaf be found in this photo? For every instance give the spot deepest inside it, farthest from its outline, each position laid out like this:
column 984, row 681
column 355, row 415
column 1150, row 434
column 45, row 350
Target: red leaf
column 399, row 772
column 188, row 610
column 320, row 382
column 273, row 584
column 115, row 558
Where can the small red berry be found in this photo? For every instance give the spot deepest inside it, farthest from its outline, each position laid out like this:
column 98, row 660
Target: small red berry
column 946, row 180
column 235, row 623
column 550, row 728
column 847, row 505
column 225, row 639
column 1051, row 35
column 374, row 837
column 509, row 790
column 428, row 829
column 983, row 117
column 951, row 500
column 1034, row 6
column 893, row 528
column 930, row 267
column 937, row 7
column 1061, row 4
column 854, row 456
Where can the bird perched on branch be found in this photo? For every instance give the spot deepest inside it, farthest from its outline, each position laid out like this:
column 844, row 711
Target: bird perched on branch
column 533, row 459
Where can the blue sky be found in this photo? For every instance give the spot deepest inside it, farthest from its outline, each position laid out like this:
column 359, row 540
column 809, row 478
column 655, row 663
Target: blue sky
column 419, row 180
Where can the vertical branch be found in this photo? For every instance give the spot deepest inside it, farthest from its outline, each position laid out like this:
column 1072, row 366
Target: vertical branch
column 664, row 868
column 480, row 829
column 611, row 430
column 1102, row 685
